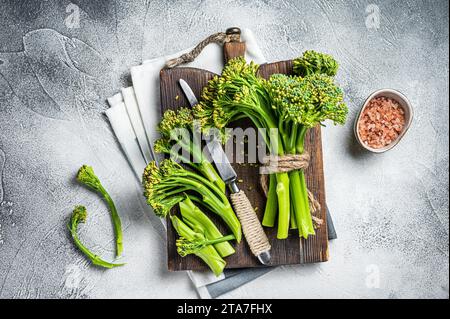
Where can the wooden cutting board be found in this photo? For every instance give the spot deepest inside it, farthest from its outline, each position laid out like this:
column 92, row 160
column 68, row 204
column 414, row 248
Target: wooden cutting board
column 292, row 250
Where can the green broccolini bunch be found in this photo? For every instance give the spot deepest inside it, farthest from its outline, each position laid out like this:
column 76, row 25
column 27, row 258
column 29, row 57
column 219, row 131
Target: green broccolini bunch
column 170, row 184
column 302, row 103
column 291, row 104
column 177, row 130
column 240, row 93
column 167, row 185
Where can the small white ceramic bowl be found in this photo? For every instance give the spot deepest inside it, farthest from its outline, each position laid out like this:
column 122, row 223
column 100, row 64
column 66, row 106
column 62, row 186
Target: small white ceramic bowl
column 404, row 103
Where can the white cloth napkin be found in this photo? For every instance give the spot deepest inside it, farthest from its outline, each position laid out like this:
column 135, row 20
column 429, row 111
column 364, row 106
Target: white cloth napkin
column 135, row 113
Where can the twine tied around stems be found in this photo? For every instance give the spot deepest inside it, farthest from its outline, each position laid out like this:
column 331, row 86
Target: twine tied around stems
column 283, row 164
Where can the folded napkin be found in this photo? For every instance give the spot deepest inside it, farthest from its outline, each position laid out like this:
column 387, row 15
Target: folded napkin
column 134, row 115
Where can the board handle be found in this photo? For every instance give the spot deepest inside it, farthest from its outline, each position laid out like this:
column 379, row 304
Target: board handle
column 235, row 47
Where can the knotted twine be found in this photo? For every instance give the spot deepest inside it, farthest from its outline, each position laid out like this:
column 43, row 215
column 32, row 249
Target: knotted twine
column 219, row 38
column 283, row 164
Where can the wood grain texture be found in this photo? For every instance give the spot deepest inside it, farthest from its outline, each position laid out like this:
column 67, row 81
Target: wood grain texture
column 290, row 251
column 233, row 49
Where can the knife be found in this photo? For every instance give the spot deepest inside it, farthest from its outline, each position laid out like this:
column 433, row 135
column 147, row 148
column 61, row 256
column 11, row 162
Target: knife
column 251, row 226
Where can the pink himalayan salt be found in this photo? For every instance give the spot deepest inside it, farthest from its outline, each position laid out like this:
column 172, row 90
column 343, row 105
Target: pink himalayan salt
column 381, row 122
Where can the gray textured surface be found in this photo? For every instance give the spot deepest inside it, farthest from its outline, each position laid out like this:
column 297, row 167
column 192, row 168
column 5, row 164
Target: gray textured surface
column 391, row 210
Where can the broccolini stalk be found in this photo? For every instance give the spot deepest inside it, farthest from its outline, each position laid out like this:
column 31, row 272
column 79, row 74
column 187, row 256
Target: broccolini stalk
column 270, row 211
column 87, row 177
column 198, row 221
column 183, row 119
column 79, row 215
column 208, row 253
column 166, row 186
column 186, row 247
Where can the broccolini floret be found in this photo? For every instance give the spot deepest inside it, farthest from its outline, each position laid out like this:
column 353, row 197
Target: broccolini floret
column 315, row 62
column 307, row 101
column 174, row 127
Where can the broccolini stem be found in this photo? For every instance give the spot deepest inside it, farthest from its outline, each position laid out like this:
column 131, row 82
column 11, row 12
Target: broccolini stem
column 299, row 193
column 283, row 189
column 293, row 139
column 304, row 221
column 177, row 156
column 203, row 166
column 214, row 199
column 284, row 205
column 116, row 221
column 300, row 143
column 301, row 208
column 216, row 190
column 220, row 240
column 197, row 220
column 208, row 254
column 293, row 220
column 209, row 172
column 270, row 212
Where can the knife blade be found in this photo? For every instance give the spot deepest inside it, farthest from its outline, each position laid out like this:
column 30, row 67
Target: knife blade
column 252, row 228
column 224, row 168
column 188, row 92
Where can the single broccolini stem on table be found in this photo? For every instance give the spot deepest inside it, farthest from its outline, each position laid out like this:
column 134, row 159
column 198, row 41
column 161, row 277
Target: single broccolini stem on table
column 208, row 253
column 79, row 216
column 87, row 177
column 199, row 222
